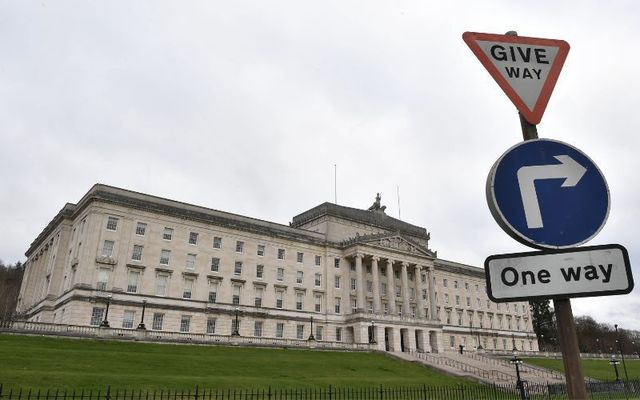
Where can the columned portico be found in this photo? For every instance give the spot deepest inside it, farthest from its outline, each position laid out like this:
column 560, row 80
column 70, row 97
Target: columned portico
column 418, row 277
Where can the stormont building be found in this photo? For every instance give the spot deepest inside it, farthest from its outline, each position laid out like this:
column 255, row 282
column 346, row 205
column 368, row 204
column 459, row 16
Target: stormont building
column 335, row 274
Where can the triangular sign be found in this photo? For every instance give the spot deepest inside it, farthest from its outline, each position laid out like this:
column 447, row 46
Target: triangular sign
column 525, row 68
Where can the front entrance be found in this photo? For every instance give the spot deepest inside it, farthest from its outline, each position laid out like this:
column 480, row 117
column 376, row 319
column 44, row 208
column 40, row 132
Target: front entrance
column 402, row 341
column 386, row 339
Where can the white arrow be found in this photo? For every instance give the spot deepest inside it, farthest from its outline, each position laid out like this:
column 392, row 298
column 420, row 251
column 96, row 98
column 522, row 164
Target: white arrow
column 568, row 169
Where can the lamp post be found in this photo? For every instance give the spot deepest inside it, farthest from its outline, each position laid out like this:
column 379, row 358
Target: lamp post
column 105, row 321
column 236, row 331
column 372, row 337
column 311, row 337
column 624, row 365
column 615, row 363
column 513, row 342
column 517, row 362
column 141, row 324
column 598, row 346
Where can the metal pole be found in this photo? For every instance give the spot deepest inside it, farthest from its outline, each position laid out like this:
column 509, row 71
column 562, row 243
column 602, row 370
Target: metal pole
column 141, row 325
column 105, row 322
column 311, row 337
column 236, row 329
column 624, row 365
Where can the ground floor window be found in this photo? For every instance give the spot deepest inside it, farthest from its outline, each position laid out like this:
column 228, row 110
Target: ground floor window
column 338, row 334
column 257, row 329
column 96, row 316
column 185, row 323
column 127, row 319
column 300, row 331
column 211, row 326
column 279, row 330
column 158, row 318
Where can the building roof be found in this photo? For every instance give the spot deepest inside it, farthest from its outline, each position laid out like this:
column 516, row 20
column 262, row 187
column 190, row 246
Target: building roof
column 375, row 218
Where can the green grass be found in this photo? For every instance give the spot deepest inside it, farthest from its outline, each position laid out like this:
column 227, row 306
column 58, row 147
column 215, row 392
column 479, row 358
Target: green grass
column 596, row 369
column 46, row 362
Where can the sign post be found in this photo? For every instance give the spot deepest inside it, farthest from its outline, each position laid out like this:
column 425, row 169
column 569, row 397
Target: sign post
column 527, row 69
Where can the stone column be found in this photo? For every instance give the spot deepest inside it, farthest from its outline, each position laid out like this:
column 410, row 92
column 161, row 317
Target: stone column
column 359, row 283
column 376, row 285
column 411, row 339
column 418, row 275
column 406, row 308
column 391, row 288
column 432, row 292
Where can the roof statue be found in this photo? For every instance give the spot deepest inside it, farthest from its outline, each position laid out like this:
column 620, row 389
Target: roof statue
column 376, row 204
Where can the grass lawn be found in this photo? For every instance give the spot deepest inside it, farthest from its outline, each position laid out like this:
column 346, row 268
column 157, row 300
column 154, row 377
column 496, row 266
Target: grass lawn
column 596, row 369
column 47, row 362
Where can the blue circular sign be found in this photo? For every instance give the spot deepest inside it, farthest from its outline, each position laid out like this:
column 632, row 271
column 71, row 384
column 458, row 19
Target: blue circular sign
column 548, row 194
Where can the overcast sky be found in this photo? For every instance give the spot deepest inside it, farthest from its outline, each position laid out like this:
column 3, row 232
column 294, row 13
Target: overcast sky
column 245, row 106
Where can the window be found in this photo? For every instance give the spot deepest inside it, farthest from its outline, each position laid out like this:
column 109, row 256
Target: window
column 233, row 325
column 132, row 284
column 423, row 278
column 457, row 300
column 187, row 292
column 368, row 269
column 459, row 318
column 383, row 288
column 300, row 257
column 107, row 248
column 260, row 271
column 217, row 242
column 279, row 330
column 211, row 326
column 141, row 228
column 279, row 296
column 191, row 261
column 446, row 298
column 239, row 246
column 455, row 284
column 164, row 256
column 299, row 276
column 338, row 334
column 96, row 316
column 424, row 294
column 299, row 300
column 337, row 301
column 318, row 279
column 369, row 286
column 477, row 289
column 127, row 319
column 452, row 341
column 397, row 274
column 352, row 266
column 193, row 238
column 112, row 223
column 137, row 253
column 236, row 295
column 412, row 293
column 370, row 306
column 353, row 284
column 385, row 308
column 237, row 270
column 319, row 332
column 213, row 292
column 280, row 274
column 162, row 281
column 281, row 254
column 354, row 305
column 300, row 331
column 449, row 317
column 158, row 318
column 167, row 234
column 185, row 323
column 466, row 286
column 336, row 281
column 103, row 278
column 258, row 299
column 318, row 259
column 410, row 276
column 468, row 301
column 318, row 302
column 336, row 262
column 398, row 291
column 383, row 271
column 257, row 329
column 261, row 250
column 445, row 283
column 215, row 264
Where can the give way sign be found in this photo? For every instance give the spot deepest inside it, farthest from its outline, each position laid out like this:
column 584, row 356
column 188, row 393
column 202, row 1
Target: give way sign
column 525, row 68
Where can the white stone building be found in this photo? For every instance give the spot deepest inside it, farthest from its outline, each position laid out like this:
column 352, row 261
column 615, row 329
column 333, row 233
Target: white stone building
column 357, row 274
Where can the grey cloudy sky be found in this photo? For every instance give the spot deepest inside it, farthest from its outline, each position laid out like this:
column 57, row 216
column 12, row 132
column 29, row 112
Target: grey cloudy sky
column 245, row 106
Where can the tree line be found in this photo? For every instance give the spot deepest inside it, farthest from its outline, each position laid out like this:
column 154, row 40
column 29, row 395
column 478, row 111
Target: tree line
column 593, row 336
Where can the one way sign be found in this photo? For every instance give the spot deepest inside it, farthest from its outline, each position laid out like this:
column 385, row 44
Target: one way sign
column 525, row 68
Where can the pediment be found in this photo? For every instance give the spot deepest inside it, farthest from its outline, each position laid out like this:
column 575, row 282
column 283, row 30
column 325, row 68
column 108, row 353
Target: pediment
column 397, row 243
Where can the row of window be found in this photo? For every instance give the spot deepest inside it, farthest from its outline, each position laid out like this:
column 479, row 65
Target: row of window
column 128, row 322
column 506, row 343
column 193, row 238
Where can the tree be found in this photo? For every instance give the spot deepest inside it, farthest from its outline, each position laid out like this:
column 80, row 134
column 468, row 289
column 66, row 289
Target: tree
column 10, row 281
column 543, row 322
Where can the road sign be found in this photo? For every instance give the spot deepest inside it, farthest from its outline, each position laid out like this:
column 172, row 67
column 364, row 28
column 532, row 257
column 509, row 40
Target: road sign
column 525, row 68
column 579, row 272
column 547, row 194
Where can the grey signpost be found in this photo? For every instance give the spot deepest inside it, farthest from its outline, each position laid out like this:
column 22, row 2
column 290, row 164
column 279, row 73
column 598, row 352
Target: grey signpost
column 542, row 214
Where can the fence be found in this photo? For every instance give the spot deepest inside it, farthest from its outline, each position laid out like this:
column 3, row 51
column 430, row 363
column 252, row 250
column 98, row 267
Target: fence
column 597, row 390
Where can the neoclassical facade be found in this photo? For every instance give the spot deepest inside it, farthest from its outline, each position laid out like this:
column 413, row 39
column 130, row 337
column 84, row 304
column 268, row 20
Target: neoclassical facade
column 354, row 275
